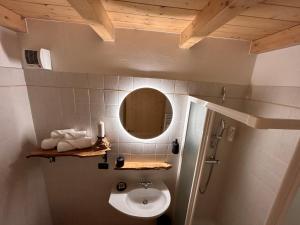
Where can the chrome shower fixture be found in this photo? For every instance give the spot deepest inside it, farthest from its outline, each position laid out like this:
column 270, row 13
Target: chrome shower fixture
column 211, row 160
column 218, row 135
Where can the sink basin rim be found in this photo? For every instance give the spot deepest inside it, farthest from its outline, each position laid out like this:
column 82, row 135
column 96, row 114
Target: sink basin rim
column 118, row 201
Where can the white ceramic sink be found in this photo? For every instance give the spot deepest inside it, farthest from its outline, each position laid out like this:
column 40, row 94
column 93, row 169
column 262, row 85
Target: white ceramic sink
column 140, row 202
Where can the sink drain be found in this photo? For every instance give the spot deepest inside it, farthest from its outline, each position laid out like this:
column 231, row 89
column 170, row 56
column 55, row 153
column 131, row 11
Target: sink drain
column 145, row 202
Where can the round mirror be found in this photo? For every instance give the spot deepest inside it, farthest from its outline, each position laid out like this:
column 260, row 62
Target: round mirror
column 146, row 113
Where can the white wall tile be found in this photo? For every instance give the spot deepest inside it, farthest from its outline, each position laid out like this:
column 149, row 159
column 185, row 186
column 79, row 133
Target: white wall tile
column 73, row 80
column 111, row 82
column 181, row 87
column 82, row 96
column 161, row 149
column 142, row 158
column 97, row 112
column 96, row 96
column 112, row 111
column 167, row 86
column 139, row 82
column 67, row 97
column 125, row 148
column 111, row 97
column 95, row 81
column 160, row 158
column 112, row 129
column 154, row 83
column 137, row 148
column 125, row 83
column 40, row 77
column 82, row 109
column 149, row 148
column 114, row 149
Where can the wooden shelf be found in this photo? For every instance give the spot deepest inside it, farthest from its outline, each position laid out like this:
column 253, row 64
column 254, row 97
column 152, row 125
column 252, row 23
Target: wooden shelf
column 145, row 166
column 81, row 153
column 104, row 146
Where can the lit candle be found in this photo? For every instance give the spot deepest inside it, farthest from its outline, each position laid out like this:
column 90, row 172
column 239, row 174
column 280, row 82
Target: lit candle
column 101, row 129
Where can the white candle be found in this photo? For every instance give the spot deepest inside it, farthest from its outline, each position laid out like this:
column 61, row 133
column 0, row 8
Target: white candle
column 101, row 129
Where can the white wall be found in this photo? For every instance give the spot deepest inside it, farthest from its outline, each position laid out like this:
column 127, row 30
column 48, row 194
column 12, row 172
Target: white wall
column 76, row 48
column 278, row 68
column 261, row 157
column 23, row 198
column 10, row 55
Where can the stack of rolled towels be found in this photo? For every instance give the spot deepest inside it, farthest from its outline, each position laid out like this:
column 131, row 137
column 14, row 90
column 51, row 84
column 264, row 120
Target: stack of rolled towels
column 66, row 140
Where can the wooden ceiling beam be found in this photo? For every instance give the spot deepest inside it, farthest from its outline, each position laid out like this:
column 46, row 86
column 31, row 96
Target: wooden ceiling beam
column 11, row 20
column 93, row 12
column 213, row 16
column 282, row 39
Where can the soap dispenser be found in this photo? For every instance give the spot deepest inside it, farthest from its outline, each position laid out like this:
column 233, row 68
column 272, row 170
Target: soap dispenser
column 175, row 147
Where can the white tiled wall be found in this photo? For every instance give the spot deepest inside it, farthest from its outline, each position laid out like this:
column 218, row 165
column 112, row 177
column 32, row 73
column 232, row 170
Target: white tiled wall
column 260, row 158
column 62, row 100
column 23, row 198
column 22, row 186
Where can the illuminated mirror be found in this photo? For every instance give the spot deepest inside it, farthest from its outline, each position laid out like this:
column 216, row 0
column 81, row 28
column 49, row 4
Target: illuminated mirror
column 146, row 113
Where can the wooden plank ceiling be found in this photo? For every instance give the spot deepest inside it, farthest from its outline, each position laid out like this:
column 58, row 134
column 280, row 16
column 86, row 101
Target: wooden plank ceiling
column 251, row 20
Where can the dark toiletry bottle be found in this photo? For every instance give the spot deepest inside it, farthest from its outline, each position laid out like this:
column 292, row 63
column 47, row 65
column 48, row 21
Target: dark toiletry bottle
column 175, row 147
column 120, row 161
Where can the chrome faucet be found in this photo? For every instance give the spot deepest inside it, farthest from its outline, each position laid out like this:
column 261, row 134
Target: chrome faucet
column 145, row 183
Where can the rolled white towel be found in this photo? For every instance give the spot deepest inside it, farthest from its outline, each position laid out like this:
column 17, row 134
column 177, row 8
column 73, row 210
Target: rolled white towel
column 60, row 133
column 49, row 143
column 71, row 144
column 75, row 134
column 68, row 134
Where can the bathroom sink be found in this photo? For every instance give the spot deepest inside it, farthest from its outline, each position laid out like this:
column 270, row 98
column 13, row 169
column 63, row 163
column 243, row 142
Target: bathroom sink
column 141, row 202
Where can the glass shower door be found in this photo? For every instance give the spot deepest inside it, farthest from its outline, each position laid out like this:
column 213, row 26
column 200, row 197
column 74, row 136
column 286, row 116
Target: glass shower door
column 197, row 126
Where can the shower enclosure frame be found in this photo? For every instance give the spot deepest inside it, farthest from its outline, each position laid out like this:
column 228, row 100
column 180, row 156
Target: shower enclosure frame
column 253, row 121
column 201, row 157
